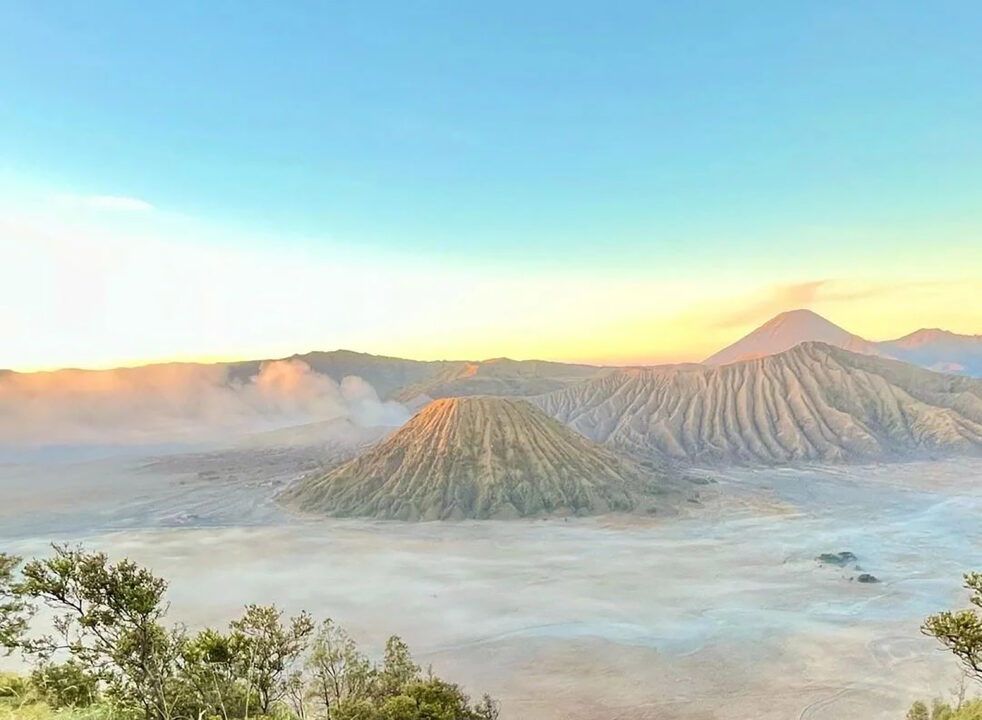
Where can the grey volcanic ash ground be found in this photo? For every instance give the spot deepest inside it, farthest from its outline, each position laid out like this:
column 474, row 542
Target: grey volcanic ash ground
column 724, row 613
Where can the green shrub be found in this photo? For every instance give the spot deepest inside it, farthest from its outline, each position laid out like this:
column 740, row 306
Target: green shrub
column 65, row 685
column 14, row 687
column 971, row 710
column 352, row 709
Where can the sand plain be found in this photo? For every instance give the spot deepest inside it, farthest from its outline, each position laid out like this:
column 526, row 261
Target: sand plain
column 723, row 613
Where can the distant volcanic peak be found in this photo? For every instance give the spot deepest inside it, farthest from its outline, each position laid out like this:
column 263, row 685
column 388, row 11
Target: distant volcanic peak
column 812, row 403
column 931, row 348
column 786, row 330
column 939, row 350
column 476, row 457
column 797, row 317
column 928, row 336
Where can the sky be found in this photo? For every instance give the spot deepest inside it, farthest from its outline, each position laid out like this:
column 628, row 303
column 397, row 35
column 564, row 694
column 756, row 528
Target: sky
column 624, row 182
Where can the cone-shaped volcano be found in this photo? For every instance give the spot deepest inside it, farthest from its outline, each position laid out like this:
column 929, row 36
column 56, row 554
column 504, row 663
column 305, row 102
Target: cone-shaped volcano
column 478, row 457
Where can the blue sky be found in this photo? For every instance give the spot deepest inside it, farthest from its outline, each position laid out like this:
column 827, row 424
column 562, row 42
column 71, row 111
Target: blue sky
column 784, row 141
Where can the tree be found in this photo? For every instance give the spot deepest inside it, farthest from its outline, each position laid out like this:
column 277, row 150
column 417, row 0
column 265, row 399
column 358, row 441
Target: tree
column 15, row 613
column 961, row 631
column 338, row 671
column 488, row 708
column 398, row 668
column 433, row 699
column 270, row 650
column 211, row 664
column 108, row 618
column 918, row 711
column 352, row 709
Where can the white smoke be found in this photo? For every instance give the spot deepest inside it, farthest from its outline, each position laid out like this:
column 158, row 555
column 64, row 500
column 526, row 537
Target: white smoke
column 179, row 403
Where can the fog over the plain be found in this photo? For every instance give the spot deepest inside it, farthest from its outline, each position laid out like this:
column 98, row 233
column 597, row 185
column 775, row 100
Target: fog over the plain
column 722, row 613
column 179, row 403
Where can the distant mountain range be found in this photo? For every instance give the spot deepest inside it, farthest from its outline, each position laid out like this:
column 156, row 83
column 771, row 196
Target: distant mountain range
column 797, row 389
column 416, row 382
column 934, row 349
column 938, row 350
column 593, row 446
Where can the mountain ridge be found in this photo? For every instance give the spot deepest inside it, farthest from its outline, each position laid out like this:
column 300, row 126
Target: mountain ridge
column 931, row 348
column 812, row 403
column 415, row 382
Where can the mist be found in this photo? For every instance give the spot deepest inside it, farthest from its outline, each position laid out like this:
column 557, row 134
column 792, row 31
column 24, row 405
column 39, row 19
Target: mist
column 179, row 403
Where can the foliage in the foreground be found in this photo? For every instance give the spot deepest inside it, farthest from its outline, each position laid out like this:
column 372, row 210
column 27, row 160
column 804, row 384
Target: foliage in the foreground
column 14, row 611
column 42, row 711
column 111, row 657
column 64, row 685
column 941, row 711
column 961, row 632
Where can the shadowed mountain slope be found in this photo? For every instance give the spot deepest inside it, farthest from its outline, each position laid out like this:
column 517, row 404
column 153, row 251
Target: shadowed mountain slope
column 938, row 350
column 479, row 457
column 814, row 402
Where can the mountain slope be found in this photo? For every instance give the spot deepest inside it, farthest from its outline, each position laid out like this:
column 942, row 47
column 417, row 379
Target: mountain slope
column 340, row 435
column 500, row 377
column 477, row 457
column 934, row 349
column 386, row 374
column 814, row 402
column 938, row 350
column 407, row 380
column 786, row 330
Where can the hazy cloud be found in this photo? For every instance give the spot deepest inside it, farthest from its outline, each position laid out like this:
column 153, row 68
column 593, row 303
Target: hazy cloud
column 795, row 296
column 178, row 402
